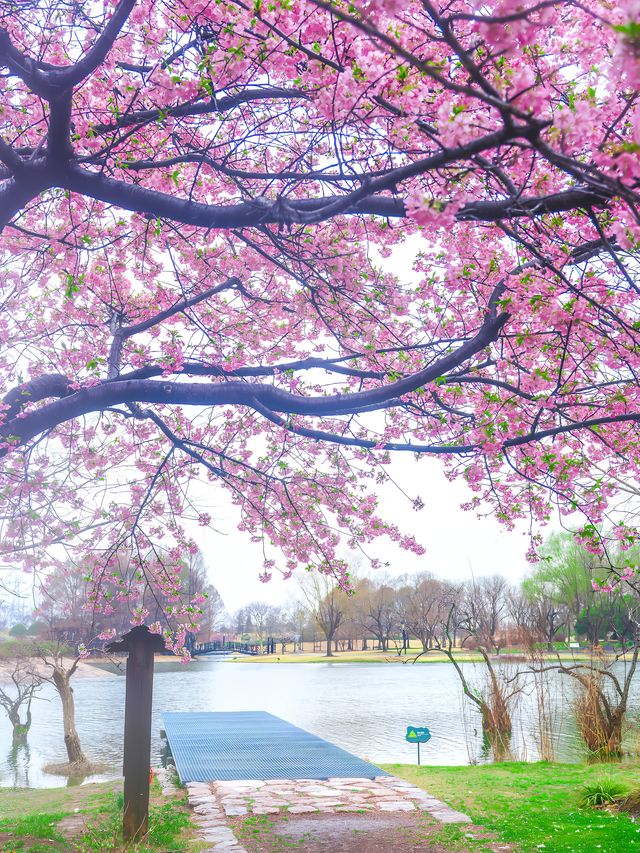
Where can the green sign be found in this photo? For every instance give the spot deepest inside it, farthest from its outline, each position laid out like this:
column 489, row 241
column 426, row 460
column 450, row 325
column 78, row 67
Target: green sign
column 415, row 734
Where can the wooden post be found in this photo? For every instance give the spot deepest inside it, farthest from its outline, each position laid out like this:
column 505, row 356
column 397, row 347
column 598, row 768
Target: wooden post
column 141, row 645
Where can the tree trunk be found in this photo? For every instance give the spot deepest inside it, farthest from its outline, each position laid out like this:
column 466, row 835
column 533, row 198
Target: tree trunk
column 329, row 653
column 71, row 738
column 20, row 729
column 614, row 742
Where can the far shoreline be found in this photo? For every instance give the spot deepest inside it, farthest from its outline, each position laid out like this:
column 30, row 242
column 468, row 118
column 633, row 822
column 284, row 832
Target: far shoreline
column 98, row 666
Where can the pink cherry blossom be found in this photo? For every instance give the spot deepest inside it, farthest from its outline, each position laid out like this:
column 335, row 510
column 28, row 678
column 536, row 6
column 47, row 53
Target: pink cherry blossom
column 252, row 251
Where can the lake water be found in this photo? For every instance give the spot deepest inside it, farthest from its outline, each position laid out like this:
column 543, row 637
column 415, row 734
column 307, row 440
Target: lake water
column 364, row 708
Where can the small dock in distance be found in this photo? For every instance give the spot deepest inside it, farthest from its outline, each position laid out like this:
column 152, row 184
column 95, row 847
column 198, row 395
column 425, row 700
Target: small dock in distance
column 219, row 647
column 235, row 745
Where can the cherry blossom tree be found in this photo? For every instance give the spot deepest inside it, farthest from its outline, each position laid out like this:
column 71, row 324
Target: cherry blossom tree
column 206, row 213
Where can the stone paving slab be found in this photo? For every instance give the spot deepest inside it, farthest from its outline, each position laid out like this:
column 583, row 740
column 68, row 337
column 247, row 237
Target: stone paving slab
column 214, row 802
column 210, row 819
column 301, row 796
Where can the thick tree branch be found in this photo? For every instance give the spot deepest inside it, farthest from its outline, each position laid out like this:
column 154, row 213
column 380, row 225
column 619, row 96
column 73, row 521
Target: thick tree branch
column 98, row 397
column 51, row 80
column 218, row 104
column 124, row 332
column 48, row 385
column 67, row 78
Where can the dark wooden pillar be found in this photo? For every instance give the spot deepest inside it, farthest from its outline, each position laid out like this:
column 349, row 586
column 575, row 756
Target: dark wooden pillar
column 141, row 645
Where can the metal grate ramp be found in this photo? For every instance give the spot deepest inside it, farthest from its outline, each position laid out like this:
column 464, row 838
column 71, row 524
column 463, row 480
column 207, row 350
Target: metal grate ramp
column 209, row 746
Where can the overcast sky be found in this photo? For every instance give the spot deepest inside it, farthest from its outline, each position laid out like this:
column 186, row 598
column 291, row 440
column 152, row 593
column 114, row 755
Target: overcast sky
column 457, row 542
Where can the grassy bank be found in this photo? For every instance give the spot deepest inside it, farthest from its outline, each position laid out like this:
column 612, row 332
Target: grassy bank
column 533, row 807
column 525, row 807
column 385, row 657
column 88, row 818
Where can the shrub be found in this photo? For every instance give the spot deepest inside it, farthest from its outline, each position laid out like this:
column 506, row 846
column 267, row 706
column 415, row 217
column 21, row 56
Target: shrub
column 602, row 792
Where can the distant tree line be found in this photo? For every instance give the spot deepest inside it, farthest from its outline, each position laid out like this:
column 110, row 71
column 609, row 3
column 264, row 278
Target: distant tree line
column 559, row 601
column 65, row 613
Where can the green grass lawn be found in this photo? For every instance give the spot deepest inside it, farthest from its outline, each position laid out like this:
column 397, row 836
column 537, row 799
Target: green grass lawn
column 533, row 806
column 89, row 818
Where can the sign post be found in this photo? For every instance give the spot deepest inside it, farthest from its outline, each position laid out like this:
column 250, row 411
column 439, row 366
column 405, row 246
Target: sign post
column 417, row 734
column 141, row 644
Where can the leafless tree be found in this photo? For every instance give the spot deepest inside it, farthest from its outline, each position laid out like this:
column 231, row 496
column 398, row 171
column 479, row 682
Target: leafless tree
column 425, row 604
column 483, row 610
column 494, row 700
column 242, row 621
column 548, row 616
column 21, row 687
column 376, row 610
column 262, row 617
column 296, row 620
column 326, row 603
column 59, row 670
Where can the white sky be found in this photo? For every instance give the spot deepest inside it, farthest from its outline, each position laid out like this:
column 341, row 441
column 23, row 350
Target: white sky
column 457, row 543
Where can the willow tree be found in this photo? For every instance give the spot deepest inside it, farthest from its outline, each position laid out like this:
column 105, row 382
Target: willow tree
column 203, row 211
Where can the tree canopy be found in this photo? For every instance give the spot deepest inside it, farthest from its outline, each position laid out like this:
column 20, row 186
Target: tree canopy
column 207, row 210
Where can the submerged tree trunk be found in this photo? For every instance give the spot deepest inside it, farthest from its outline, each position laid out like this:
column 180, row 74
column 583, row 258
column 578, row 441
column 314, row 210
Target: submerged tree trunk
column 20, row 729
column 496, row 715
column 24, row 685
column 599, row 721
column 71, row 739
column 493, row 705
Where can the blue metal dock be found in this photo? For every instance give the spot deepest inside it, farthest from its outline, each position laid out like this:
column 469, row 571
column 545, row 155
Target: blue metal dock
column 208, row 746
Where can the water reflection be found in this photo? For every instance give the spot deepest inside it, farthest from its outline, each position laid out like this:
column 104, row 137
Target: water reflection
column 18, row 763
column 364, row 708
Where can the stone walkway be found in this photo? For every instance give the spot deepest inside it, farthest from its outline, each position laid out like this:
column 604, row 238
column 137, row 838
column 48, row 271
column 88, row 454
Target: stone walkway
column 214, row 802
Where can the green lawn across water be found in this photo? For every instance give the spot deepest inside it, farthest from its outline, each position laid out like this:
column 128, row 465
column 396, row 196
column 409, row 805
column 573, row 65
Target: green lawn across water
column 532, row 806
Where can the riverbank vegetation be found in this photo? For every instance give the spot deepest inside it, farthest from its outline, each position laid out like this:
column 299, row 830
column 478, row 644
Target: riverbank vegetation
column 559, row 619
